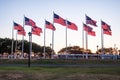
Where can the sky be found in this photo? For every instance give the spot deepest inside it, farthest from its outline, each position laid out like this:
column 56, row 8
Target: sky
column 72, row 10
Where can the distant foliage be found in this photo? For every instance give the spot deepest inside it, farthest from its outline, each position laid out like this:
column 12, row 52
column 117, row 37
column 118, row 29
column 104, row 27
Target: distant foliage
column 73, row 50
column 5, row 47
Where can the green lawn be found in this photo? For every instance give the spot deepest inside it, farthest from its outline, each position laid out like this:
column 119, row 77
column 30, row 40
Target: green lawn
column 59, row 73
column 58, row 61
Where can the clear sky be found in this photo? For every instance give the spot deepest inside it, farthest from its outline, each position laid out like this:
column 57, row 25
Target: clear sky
column 73, row 10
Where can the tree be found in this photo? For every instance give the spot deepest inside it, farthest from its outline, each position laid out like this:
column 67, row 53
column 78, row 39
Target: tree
column 107, row 50
column 5, row 46
column 73, row 50
column 119, row 52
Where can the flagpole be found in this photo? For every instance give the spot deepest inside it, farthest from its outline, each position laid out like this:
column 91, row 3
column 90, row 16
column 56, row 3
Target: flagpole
column 31, row 43
column 102, row 41
column 86, row 45
column 12, row 39
column 86, row 41
column 52, row 43
column 66, row 35
column 22, row 54
column 16, row 43
column 52, row 40
column 83, row 41
column 44, row 41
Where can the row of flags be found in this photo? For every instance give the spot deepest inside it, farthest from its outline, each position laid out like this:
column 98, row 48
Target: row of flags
column 58, row 19
column 106, row 29
column 37, row 30
column 104, row 26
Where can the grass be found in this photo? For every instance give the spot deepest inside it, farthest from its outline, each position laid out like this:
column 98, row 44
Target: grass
column 58, row 61
column 58, row 73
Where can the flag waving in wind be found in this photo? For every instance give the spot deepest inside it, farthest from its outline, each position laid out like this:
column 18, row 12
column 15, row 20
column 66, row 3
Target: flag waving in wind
column 29, row 22
column 36, row 30
column 107, row 32
column 87, row 28
column 49, row 25
column 17, row 26
column 106, row 28
column 90, row 21
column 71, row 25
column 21, row 32
column 59, row 20
column 92, row 33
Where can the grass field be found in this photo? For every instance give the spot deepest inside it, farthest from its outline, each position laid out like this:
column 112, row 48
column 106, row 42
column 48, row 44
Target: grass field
column 58, row 61
column 59, row 73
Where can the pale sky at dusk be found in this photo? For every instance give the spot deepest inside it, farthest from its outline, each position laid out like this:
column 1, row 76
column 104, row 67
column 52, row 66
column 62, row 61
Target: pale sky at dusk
column 73, row 10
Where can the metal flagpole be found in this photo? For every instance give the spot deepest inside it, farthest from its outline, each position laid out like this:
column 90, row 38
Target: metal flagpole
column 52, row 43
column 44, row 41
column 16, row 43
column 12, row 39
column 86, row 45
column 22, row 54
column 83, row 41
column 52, row 40
column 66, row 35
column 102, row 43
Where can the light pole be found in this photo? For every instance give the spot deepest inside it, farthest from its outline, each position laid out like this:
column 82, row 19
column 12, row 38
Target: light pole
column 97, row 48
column 30, row 36
column 51, row 49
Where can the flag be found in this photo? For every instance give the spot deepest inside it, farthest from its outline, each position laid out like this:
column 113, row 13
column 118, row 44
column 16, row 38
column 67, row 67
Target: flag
column 107, row 32
column 29, row 22
column 17, row 26
column 105, row 26
column 71, row 25
column 92, row 33
column 90, row 21
column 21, row 32
column 50, row 25
column 59, row 20
column 87, row 28
column 36, row 31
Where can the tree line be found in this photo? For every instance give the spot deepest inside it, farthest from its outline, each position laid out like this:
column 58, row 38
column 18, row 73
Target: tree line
column 5, row 47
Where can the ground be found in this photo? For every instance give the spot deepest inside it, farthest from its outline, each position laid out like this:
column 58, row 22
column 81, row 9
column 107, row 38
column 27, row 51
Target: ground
column 18, row 70
column 39, row 76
